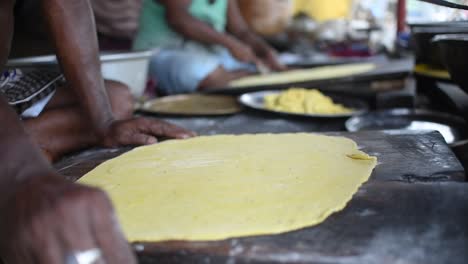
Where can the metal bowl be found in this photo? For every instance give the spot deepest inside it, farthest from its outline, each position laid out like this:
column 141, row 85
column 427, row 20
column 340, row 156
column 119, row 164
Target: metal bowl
column 454, row 52
column 130, row 68
column 452, row 128
column 425, row 50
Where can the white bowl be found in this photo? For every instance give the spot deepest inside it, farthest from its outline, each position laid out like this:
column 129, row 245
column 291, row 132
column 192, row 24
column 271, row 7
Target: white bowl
column 130, row 68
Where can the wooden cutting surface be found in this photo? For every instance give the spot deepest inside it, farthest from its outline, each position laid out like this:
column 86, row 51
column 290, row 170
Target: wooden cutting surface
column 414, row 209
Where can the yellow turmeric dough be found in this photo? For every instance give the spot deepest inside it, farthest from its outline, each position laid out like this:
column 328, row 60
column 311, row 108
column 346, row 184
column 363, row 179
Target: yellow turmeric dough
column 299, row 100
column 217, row 187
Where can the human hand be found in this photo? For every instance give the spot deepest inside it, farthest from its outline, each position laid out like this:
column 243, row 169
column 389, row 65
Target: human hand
column 242, row 52
column 141, row 131
column 270, row 58
column 48, row 219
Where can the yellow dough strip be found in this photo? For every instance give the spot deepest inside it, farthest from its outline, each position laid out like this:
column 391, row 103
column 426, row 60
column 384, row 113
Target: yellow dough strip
column 303, row 75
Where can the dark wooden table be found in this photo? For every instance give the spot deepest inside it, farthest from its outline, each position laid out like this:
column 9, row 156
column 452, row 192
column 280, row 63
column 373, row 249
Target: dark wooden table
column 414, row 209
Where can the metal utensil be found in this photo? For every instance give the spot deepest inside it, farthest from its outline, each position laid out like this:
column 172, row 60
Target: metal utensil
column 451, row 127
column 447, row 4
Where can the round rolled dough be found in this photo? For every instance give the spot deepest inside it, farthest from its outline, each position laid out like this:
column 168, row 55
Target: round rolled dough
column 303, row 75
column 217, row 187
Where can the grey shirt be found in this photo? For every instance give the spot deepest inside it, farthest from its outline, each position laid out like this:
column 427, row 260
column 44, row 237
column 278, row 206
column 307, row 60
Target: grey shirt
column 117, row 18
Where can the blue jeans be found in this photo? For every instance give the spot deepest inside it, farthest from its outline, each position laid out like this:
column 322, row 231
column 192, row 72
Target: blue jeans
column 181, row 70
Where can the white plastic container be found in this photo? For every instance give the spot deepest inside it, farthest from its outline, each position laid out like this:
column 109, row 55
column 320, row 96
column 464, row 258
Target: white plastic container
column 130, row 68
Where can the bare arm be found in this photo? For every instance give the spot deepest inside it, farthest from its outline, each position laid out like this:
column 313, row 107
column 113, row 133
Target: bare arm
column 237, row 26
column 72, row 28
column 180, row 20
column 33, row 195
column 20, row 157
column 6, row 20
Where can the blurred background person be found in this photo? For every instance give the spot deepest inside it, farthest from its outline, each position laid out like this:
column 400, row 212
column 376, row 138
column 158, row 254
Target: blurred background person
column 116, row 22
column 202, row 44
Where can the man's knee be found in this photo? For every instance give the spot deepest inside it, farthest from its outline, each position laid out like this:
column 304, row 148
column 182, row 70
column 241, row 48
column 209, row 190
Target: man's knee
column 120, row 98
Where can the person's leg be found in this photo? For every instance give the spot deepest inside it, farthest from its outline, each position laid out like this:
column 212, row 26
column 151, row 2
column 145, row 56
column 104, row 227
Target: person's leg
column 230, row 69
column 192, row 67
column 180, row 71
column 63, row 128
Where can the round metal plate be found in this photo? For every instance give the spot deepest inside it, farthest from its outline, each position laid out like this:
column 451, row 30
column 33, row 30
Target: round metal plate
column 192, row 104
column 256, row 100
column 451, row 127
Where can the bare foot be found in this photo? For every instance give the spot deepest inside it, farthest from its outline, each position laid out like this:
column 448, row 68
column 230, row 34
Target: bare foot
column 220, row 78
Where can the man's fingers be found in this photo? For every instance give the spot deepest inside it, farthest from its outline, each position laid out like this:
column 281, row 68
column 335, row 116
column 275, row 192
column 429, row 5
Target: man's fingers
column 273, row 62
column 144, row 131
column 78, row 238
column 16, row 255
column 109, row 237
column 40, row 235
column 165, row 129
column 54, row 252
column 141, row 139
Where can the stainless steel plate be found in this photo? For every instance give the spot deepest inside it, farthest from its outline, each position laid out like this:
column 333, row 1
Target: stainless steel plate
column 451, row 127
column 256, row 100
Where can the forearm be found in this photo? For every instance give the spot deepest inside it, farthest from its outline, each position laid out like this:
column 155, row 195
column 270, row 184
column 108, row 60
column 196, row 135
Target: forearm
column 251, row 39
column 20, row 157
column 197, row 30
column 72, row 29
column 6, row 20
column 237, row 26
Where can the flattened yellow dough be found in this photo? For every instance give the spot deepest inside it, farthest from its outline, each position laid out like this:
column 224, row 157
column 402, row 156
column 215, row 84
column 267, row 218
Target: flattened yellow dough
column 217, row 187
column 303, row 75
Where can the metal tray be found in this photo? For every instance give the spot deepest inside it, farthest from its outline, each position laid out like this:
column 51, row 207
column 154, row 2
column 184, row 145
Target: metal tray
column 452, row 128
column 450, row 4
column 256, row 101
column 192, row 105
column 395, row 69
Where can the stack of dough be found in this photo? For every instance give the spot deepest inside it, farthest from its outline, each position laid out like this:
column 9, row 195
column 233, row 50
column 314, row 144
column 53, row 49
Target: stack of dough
column 303, row 75
column 298, row 100
column 217, row 187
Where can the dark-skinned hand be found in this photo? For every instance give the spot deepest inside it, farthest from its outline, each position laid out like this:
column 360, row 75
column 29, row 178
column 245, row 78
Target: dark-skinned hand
column 47, row 218
column 141, row 131
column 242, row 52
column 270, row 58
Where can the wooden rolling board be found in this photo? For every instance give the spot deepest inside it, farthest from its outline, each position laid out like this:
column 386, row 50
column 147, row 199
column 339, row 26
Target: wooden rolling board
column 384, row 223
column 414, row 209
column 403, row 156
column 417, row 157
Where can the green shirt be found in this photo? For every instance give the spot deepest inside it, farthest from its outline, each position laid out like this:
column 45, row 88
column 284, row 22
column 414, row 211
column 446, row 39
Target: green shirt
column 155, row 32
